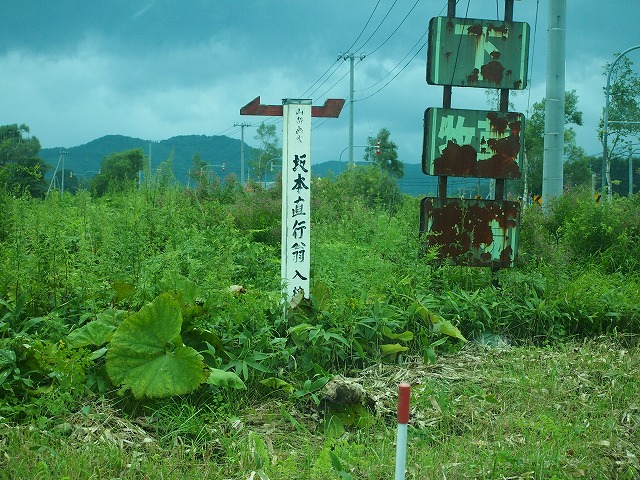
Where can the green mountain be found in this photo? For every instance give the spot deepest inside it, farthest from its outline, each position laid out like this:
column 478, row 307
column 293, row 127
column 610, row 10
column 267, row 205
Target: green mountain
column 84, row 161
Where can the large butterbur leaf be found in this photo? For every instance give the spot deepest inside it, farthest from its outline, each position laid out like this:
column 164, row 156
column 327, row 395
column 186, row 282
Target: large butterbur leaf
column 146, row 353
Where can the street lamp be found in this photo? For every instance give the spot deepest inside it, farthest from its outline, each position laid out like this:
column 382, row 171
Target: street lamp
column 270, row 162
column 355, row 146
column 211, row 166
column 606, row 167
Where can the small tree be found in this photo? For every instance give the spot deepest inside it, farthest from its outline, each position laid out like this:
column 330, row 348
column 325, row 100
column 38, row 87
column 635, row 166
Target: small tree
column 269, row 151
column 21, row 169
column 196, row 171
column 534, row 139
column 117, row 170
column 384, row 153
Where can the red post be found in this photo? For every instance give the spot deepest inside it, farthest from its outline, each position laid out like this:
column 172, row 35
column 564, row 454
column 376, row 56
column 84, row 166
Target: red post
column 404, row 393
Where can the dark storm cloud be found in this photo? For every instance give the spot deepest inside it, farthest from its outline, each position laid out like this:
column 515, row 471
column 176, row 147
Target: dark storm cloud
column 157, row 68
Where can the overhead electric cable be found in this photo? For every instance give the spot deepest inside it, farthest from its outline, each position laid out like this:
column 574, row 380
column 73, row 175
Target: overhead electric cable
column 398, row 64
column 337, row 82
column 395, row 76
column 308, row 93
column 533, row 52
column 338, row 59
column 364, row 28
column 379, row 25
column 322, row 122
column 321, row 77
column 396, row 29
column 455, row 64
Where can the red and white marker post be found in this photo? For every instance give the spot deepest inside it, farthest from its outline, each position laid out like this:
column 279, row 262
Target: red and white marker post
column 404, row 393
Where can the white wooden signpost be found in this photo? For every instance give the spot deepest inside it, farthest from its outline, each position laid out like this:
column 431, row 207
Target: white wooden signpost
column 296, row 184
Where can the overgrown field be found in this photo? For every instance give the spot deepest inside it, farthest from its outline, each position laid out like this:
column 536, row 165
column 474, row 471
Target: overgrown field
column 142, row 336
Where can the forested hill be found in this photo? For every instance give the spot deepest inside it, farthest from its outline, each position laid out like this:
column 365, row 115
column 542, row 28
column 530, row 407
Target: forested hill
column 84, row 160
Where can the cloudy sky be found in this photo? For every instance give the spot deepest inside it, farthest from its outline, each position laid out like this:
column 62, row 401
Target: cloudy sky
column 76, row 70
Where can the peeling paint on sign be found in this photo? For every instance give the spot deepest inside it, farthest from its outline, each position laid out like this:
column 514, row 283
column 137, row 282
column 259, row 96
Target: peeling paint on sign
column 479, row 233
column 472, row 143
column 468, row 52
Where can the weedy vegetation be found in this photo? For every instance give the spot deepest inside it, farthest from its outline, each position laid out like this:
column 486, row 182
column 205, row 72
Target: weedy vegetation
column 142, row 335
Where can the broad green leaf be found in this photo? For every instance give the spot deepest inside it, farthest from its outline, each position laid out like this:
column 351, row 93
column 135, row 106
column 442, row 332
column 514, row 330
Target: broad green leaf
column 146, row 353
column 98, row 353
column 358, row 348
column 225, row 379
column 447, row 328
column 440, row 341
column 296, row 299
column 277, row 384
column 7, row 357
column 320, row 294
column 93, row 333
column 318, row 383
column 4, row 375
column 405, row 336
column 429, row 355
column 335, row 461
column 392, row 348
column 123, row 290
column 424, row 313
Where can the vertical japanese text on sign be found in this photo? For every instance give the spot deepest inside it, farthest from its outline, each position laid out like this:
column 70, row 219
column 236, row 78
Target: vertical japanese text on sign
column 296, row 181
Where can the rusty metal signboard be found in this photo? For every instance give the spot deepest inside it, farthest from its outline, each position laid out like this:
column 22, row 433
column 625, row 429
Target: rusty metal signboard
column 472, row 143
column 478, row 233
column 468, row 52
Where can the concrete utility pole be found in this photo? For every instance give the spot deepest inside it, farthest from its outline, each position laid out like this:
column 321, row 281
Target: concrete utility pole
column 62, row 154
column 552, row 165
column 242, row 125
column 351, row 56
column 630, row 170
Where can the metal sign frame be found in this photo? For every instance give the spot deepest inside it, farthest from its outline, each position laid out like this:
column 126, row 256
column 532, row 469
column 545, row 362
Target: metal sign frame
column 467, row 52
column 473, row 143
column 477, row 233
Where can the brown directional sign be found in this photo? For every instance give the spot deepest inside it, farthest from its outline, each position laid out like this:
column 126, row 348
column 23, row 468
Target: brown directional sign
column 468, row 52
column 472, row 143
column 478, row 233
column 331, row 108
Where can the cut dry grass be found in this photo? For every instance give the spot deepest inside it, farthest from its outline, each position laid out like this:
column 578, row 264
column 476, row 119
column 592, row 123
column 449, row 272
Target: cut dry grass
column 568, row 411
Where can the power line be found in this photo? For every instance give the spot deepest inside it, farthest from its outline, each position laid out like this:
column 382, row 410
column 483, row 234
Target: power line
column 398, row 64
column 379, row 25
column 323, row 121
column 533, row 51
column 336, row 83
column 364, row 28
column 395, row 76
column 338, row 59
column 401, row 61
column 310, row 94
column 396, row 29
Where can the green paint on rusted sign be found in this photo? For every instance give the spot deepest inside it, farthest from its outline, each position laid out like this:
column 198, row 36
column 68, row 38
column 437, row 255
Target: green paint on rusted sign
column 468, row 52
column 479, row 233
column 472, row 143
